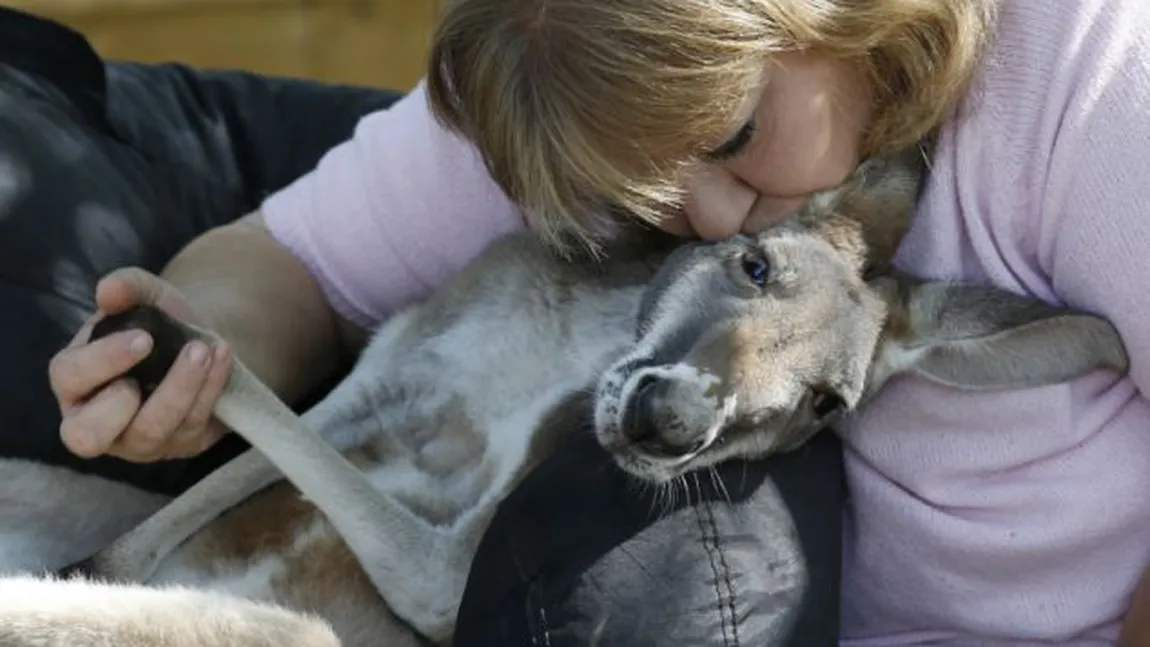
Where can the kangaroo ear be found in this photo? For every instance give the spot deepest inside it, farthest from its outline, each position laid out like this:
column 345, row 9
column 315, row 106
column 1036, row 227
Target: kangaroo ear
column 979, row 338
column 866, row 216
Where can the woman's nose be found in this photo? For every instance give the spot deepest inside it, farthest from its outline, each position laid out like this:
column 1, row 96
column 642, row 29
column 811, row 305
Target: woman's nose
column 718, row 203
column 767, row 210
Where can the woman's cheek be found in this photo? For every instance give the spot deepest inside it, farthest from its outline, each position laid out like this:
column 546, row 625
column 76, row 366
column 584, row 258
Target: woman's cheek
column 677, row 225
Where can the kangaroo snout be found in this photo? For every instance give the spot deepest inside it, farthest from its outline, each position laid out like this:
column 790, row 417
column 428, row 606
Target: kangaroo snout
column 651, row 424
column 673, row 412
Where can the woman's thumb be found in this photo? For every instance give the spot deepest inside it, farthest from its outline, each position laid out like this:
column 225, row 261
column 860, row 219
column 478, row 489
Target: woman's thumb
column 127, row 287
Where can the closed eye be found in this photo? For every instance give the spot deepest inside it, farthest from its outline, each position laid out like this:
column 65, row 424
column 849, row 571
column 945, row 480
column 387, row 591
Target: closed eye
column 735, row 145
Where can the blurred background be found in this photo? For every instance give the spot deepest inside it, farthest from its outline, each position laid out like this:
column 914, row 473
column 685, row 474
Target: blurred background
column 366, row 42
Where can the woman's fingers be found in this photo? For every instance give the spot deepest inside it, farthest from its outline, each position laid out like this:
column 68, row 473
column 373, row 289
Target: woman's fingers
column 77, row 372
column 103, row 413
column 200, row 430
column 90, row 429
column 150, row 432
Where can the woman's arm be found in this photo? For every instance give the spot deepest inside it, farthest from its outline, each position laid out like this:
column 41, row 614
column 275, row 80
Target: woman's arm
column 262, row 299
column 389, row 215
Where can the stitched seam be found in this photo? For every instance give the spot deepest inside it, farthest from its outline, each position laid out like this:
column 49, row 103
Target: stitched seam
column 722, row 553
column 711, row 558
column 546, row 628
column 536, row 616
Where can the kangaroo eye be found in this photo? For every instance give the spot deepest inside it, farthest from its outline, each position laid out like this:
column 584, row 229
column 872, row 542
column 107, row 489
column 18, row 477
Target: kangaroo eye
column 757, row 269
column 826, row 403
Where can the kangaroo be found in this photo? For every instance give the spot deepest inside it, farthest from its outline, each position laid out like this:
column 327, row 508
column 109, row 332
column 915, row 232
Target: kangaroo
column 50, row 515
column 680, row 357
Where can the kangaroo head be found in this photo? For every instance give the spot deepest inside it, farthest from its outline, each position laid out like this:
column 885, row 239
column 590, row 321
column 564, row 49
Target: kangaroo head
column 750, row 346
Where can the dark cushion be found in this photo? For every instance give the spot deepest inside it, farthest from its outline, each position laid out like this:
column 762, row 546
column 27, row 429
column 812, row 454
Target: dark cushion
column 107, row 165
column 580, row 554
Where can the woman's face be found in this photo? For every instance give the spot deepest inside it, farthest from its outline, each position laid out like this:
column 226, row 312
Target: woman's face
column 803, row 134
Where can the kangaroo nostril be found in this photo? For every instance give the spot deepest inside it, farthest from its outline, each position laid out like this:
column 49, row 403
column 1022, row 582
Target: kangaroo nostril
column 638, row 421
column 652, row 423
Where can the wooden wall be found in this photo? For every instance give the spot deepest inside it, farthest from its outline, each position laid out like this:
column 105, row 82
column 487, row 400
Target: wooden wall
column 369, row 42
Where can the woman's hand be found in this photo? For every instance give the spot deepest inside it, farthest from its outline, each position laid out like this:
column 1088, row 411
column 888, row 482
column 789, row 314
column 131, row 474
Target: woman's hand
column 103, row 411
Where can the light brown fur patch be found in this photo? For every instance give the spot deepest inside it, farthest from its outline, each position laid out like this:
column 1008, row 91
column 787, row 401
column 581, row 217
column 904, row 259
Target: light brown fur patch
column 266, row 523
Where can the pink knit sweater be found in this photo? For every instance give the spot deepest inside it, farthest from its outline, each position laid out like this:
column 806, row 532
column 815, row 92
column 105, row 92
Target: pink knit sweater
column 974, row 519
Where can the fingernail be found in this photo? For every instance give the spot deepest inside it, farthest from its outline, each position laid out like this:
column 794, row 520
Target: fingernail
column 141, row 344
column 198, row 353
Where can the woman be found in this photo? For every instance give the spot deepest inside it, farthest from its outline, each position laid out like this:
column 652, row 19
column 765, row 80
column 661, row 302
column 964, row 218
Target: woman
column 985, row 519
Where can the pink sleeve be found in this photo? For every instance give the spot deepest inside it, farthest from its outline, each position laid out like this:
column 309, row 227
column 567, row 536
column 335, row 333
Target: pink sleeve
column 390, row 214
column 1095, row 238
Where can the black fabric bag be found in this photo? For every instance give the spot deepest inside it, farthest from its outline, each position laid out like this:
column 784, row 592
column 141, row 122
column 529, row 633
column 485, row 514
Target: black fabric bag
column 578, row 555
column 104, row 165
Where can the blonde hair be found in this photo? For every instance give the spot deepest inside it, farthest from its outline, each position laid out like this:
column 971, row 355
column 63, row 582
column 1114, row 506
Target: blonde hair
column 584, row 107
